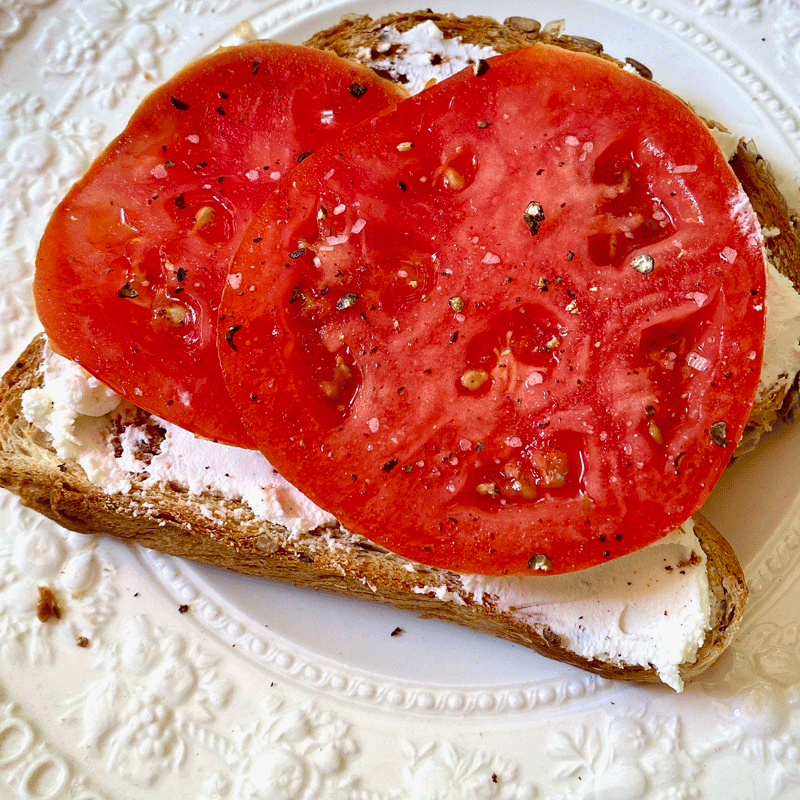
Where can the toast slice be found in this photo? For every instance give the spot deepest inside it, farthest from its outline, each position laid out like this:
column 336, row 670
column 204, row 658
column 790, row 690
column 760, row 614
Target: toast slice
column 544, row 614
column 694, row 573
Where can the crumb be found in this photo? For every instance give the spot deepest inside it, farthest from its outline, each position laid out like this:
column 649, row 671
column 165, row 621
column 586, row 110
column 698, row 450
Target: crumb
column 245, row 31
column 47, row 607
column 183, row 609
column 82, row 641
column 397, row 632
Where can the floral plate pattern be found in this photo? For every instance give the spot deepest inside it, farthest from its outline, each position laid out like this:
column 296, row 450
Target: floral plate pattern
column 163, row 678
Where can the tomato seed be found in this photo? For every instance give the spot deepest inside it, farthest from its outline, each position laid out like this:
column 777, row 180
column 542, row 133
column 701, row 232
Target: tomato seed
column 473, row 379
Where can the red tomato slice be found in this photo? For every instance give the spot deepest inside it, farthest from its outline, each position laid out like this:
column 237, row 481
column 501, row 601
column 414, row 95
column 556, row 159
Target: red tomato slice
column 131, row 267
column 513, row 326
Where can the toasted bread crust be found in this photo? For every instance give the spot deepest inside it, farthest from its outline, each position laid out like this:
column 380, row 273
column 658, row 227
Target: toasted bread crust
column 230, row 537
column 758, row 181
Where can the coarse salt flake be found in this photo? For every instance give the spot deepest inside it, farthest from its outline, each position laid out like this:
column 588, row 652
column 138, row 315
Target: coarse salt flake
column 373, row 424
column 514, row 441
column 729, row 254
column 251, row 175
column 275, row 176
column 358, row 225
column 490, row 258
column 572, row 141
column 684, row 168
column 534, row 379
column 698, row 362
column 340, row 209
column 465, row 444
column 193, row 138
column 234, row 280
column 328, row 175
column 697, row 297
column 159, row 171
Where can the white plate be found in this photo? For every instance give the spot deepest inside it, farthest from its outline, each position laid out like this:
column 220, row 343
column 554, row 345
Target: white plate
column 265, row 691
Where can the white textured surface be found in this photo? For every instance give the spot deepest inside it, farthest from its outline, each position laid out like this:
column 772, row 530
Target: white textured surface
column 259, row 691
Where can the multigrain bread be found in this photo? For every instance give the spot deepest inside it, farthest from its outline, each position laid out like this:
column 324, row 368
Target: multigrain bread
column 212, row 529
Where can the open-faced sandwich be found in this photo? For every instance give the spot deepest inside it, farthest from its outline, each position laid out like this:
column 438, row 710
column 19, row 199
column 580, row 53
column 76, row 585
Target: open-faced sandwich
column 480, row 352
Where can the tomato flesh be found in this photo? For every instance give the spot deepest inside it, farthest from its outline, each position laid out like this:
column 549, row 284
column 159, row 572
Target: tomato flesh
column 131, row 267
column 514, row 326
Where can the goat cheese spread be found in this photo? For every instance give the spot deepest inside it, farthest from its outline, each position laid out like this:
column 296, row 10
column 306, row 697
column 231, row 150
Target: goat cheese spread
column 781, row 361
column 76, row 410
column 648, row 608
column 421, row 54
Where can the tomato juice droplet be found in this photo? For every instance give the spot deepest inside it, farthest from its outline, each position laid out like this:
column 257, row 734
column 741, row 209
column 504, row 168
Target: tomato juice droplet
column 545, row 404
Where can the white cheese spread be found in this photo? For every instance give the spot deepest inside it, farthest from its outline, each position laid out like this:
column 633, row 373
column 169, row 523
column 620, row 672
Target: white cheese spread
column 648, row 608
column 421, row 54
column 68, row 408
column 781, row 347
column 246, row 476
column 78, row 413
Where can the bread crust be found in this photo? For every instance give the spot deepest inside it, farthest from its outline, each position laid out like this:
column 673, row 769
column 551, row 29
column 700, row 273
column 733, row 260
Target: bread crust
column 175, row 523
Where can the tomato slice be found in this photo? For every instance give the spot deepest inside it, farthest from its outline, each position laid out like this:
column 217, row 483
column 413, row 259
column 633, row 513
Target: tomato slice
column 131, row 267
column 513, row 326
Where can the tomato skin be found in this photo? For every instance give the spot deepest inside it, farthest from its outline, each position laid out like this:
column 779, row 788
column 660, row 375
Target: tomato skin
column 512, row 190
column 131, row 266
